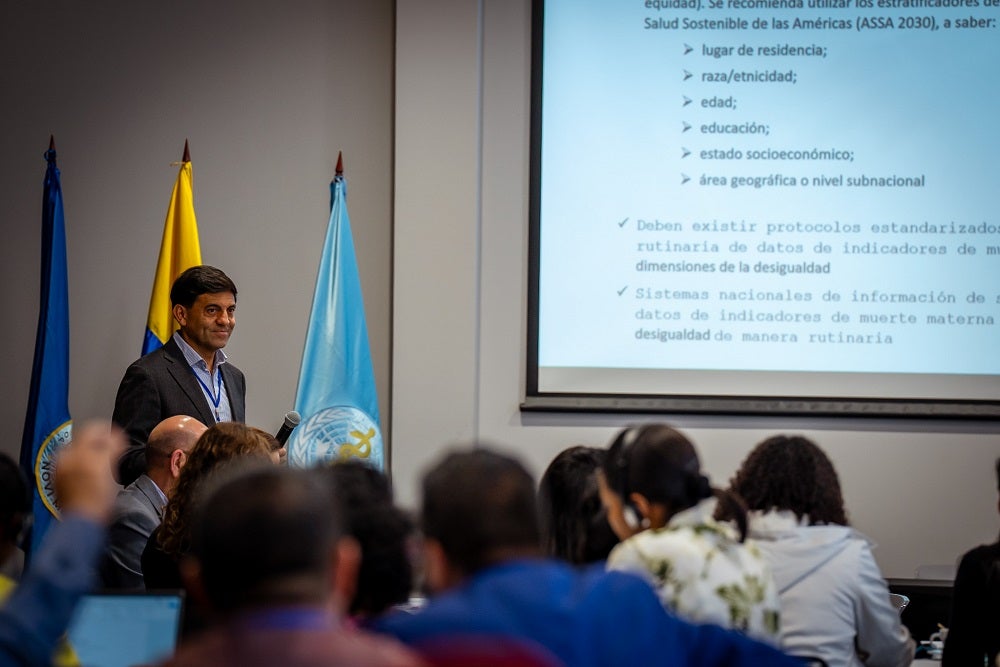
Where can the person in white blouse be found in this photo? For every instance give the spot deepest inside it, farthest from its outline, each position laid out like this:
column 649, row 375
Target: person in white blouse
column 662, row 507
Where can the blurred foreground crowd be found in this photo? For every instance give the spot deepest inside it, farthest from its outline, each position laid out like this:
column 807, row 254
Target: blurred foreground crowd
column 624, row 555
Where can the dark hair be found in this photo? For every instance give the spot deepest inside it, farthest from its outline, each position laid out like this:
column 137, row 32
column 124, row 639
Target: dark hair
column 258, row 529
column 382, row 530
column 15, row 500
column 791, row 473
column 221, row 442
column 199, row 280
column 477, row 503
column 661, row 464
column 573, row 520
column 998, row 473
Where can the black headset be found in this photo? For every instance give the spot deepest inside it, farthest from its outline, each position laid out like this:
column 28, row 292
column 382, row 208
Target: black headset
column 624, row 442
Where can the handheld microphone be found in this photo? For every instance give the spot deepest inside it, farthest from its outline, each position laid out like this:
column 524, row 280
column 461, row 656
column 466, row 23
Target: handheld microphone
column 292, row 420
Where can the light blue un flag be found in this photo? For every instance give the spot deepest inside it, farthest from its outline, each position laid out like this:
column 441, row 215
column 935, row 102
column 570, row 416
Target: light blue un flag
column 336, row 397
column 47, row 424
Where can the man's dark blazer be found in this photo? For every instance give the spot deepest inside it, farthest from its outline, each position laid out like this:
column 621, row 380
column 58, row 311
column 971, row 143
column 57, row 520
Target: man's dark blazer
column 137, row 512
column 160, row 385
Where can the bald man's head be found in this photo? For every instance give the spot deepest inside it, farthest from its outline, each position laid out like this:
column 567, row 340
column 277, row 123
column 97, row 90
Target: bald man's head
column 168, row 446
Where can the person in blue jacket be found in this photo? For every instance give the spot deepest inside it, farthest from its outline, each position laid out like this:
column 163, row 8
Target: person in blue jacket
column 493, row 588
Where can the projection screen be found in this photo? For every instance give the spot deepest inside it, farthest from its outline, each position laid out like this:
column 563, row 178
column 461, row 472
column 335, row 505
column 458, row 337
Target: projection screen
column 765, row 206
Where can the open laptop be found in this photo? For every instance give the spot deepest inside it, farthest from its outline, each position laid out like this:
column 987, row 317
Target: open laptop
column 121, row 629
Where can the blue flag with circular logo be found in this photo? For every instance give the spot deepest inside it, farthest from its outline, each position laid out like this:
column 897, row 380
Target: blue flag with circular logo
column 47, row 424
column 336, row 395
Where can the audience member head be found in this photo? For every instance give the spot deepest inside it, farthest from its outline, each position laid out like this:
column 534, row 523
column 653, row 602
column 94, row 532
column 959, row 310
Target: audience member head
column 15, row 506
column 654, row 471
column 383, row 531
column 791, row 473
column 198, row 280
column 478, row 510
column 222, row 442
column 278, row 452
column 167, row 449
column 574, row 522
column 264, row 536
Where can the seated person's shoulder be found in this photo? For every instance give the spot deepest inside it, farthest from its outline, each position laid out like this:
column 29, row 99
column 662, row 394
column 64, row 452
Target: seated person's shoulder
column 617, row 587
column 980, row 562
column 984, row 552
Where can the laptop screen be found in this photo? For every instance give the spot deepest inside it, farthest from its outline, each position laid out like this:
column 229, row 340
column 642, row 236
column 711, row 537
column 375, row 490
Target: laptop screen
column 119, row 629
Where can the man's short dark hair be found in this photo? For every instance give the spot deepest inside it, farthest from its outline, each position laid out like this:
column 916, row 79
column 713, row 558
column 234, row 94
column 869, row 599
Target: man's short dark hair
column 478, row 504
column 383, row 531
column 199, row 280
column 259, row 529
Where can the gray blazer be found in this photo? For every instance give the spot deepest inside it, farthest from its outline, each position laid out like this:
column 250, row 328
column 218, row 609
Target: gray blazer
column 161, row 385
column 137, row 512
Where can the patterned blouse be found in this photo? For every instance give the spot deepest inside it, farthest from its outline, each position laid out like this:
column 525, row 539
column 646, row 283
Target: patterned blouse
column 704, row 574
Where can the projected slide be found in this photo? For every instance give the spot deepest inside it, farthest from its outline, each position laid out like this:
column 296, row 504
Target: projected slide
column 769, row 198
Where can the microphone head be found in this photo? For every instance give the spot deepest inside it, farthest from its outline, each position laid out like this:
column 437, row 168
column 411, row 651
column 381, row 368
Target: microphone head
column 292, row 419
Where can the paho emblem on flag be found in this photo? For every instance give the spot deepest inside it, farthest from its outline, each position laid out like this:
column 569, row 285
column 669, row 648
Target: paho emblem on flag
column 336, row 395
column 335, row 434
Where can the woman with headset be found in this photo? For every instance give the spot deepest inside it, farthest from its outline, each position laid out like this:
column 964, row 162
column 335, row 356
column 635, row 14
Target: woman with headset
column 661, row 507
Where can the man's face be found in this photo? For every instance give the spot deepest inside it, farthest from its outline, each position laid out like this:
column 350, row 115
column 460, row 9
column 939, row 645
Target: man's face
column 209, row 322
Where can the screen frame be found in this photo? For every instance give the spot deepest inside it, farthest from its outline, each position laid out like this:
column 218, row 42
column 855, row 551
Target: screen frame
column 684, row 403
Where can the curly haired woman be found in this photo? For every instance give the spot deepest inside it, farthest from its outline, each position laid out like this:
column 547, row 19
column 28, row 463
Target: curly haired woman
column 222, row 442
column 834, row 601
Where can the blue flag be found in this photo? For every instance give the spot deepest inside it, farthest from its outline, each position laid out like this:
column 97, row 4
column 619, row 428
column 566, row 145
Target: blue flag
column 336, row 397
column 47, row 424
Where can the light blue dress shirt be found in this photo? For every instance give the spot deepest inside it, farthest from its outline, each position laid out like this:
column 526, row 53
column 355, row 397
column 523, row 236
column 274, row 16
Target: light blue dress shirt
column 211, row 383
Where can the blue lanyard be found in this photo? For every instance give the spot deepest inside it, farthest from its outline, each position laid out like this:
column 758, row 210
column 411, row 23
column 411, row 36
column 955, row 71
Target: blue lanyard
column 215, row 398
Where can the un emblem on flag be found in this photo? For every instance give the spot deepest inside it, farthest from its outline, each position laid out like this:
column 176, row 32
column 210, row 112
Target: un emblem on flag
column 45, row 464
column 336, row 434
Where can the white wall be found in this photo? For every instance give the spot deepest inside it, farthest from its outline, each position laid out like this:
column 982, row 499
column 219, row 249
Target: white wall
column 925, row 491
column 267, row 93
column 435, row 232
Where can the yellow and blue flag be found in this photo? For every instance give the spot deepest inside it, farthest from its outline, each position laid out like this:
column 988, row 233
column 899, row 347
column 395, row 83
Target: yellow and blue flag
column 179, row 251
column 336, row 395
column 47, row 423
